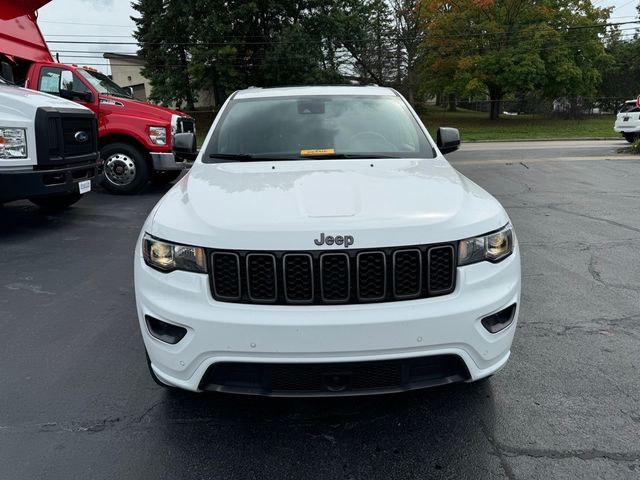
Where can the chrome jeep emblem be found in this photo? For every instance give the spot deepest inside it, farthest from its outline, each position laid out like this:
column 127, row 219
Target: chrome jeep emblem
column 346, row 240
column 81, row 137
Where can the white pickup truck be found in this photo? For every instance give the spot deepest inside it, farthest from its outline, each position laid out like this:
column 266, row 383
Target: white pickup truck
column 322, row 245
column 48, row 147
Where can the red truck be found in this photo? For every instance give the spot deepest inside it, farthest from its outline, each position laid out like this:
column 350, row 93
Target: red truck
column 136, row 139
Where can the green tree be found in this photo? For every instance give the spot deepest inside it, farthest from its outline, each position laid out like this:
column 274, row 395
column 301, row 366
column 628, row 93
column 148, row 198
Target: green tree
column 164, row 33
column 500, row 47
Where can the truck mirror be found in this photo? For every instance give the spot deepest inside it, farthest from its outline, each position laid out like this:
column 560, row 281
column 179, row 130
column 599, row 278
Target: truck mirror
column 84, row 96
column 184, row 145
column 448, row 140
column 6, row 71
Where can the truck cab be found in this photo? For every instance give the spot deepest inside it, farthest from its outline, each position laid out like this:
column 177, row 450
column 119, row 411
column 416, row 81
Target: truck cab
column 135, row 138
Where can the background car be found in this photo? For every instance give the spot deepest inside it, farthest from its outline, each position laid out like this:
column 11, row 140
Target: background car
column 628, row 121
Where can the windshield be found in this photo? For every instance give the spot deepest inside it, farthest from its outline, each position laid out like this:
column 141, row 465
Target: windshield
column 340, row 126
column 103, row 84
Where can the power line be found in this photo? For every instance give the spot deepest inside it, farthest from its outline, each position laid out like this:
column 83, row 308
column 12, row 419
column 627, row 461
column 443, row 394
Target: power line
column 275, row 42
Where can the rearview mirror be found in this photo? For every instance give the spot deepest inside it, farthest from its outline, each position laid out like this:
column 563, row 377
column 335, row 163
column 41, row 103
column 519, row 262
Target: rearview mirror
column 448, row 140
column 7, row 72
column 184, row 145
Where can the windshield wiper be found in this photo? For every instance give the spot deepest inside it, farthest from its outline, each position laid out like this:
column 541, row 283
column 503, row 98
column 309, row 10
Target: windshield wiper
column 246, row 157
column 345, row 156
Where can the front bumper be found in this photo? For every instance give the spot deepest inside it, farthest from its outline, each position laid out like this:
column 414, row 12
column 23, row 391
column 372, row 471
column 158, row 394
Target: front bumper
column 225, row 332
column 21, row 184
column 169, row 161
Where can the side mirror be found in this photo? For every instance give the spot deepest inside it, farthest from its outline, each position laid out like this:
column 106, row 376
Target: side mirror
column 448, row 140
column 73, row 96
column 184, row 145
column 6, row 72
column 84, row 96
column 130, row 90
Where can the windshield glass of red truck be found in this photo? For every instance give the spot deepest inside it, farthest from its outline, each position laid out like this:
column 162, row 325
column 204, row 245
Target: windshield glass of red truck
column 104, row 84
column 317, row 127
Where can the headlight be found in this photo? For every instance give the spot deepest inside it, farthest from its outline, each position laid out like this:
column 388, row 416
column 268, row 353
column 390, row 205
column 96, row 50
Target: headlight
column 492, row 247
column 167, row 257
column 13, row 143
column 158, row 135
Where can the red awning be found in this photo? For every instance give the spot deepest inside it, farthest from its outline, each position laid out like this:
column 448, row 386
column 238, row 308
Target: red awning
column 19, row 33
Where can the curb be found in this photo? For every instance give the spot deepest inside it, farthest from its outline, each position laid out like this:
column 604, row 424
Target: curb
column 598, row 139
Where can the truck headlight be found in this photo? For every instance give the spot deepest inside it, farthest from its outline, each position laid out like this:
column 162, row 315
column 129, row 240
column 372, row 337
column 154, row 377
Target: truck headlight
column 13, row 143
column 167, row 257
column 158, row 135
column 493, row 247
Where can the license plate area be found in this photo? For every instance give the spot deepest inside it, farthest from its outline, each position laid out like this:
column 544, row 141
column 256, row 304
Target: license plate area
column 84, row 186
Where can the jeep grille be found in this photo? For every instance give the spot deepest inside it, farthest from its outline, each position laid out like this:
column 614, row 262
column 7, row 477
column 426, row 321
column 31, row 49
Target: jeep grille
column 332, row 277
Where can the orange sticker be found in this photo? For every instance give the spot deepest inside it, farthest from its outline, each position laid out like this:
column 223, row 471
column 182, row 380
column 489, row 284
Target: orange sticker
column 318, row 151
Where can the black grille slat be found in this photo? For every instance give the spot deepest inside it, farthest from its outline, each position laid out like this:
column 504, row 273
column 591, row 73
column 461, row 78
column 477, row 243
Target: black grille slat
column 372, row 276
column 226, row 276
column 441, row 269
column 333, row 277
column 407, row 273
column 261, row 277
column 298, row 277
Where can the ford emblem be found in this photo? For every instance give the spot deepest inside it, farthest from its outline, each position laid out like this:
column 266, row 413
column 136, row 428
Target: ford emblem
column 81, row 137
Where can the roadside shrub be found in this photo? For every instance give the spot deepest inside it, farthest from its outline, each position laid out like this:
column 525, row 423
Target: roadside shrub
column 635, row 147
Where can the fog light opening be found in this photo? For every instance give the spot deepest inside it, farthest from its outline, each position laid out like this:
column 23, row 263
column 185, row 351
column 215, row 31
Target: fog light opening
column 499, row 321
column 164, row 331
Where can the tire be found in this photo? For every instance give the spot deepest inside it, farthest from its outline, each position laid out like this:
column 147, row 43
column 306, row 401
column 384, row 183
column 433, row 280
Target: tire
column 126, row 170
column 56, row 202
column 164, row 177
column 631, row 137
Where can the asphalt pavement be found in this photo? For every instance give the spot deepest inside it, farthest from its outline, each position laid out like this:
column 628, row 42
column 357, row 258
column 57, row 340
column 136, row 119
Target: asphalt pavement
column 77, row 402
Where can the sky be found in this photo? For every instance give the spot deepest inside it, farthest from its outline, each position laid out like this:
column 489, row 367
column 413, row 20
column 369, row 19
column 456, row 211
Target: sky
column 104, row 21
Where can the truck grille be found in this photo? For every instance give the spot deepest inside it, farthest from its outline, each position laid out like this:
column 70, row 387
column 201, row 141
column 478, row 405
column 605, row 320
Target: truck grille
column 317, row 277
column 65, row 136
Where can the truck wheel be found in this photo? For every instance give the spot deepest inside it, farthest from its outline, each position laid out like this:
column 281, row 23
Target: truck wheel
column 167, row 176
column 125, row 169
column 56, row 202
column 631, row 137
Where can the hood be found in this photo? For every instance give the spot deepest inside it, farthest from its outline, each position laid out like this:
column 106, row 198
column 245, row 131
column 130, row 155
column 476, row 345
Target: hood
column 286, row 205
column 143, row 109
column 19, row 33
column 23, row 103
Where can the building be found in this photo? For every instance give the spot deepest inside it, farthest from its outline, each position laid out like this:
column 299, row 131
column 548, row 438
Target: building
column 126, row 71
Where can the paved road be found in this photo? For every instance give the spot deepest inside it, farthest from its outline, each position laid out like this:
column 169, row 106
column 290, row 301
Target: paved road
column 76, row 400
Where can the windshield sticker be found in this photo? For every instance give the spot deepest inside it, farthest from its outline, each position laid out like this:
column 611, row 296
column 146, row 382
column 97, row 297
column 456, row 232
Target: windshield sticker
column 318, row 151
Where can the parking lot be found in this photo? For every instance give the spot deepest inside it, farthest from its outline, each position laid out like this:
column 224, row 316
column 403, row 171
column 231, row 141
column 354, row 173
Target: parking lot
column 76, row 399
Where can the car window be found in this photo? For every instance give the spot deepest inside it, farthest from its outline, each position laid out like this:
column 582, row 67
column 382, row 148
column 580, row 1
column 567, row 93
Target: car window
column 53, row 80
column 341, row 124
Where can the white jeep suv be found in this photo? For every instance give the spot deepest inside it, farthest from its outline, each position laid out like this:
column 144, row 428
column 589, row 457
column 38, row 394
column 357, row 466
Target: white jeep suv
column 628, row 121
column 322, row 245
